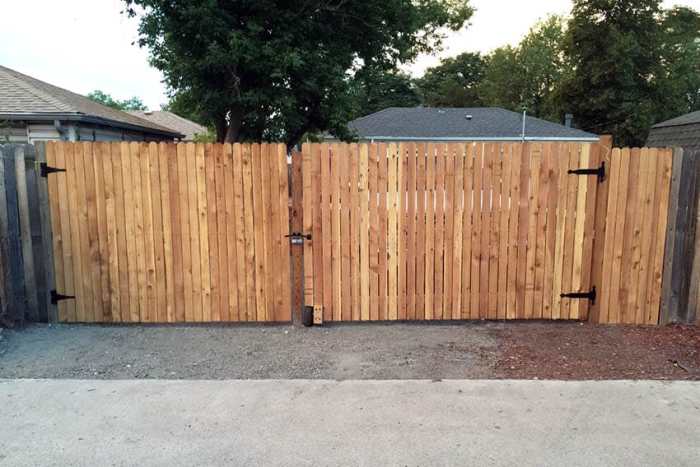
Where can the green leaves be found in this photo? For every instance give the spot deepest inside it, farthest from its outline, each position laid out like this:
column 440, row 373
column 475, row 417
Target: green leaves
column 103, row 98
column 272, row 69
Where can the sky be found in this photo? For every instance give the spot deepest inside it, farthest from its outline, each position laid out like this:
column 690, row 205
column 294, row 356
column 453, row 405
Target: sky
column 83, row 45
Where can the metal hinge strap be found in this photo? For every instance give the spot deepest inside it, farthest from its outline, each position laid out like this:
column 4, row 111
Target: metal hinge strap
column 598, row 172
column 45, row 169
column 587, row 295
column 57, row 297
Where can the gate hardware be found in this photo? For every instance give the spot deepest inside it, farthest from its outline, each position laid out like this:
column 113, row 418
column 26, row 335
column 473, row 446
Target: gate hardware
column 57, row 297
column 45, row 169
column 589, row 295
column 298, row 238
column 599, row 172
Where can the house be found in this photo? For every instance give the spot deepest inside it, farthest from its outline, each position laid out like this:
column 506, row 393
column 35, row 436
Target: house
column 173, row 121
column 461, row 124
column 32, row 110
column 683, row 131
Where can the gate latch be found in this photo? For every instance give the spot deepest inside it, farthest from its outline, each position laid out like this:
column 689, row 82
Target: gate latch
column 589, row 295
column 598, row 172
column 45, row 169
column 57, row 297
column 298, row 238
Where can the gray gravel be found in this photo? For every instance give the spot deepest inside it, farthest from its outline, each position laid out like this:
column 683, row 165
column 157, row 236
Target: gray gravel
column 353, row 351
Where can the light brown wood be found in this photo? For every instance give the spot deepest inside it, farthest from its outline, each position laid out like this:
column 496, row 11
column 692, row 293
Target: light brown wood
column 336, row 167
column 467, row 231
column 211, row 216
column 420, row 229
column 167, row 163
column 307, row 173
column 458, row 214
column 373, row 221
column 429, row 312
column 476, row 310
column 364, row 223
column 230, row 221
column 392, row 235
column 494, row 226
column 354, row 244
column 439, row 291
column 382, row 199
column 513, row 226
column 346, row 279
column 222, row 235
column 448, row 255
column 160, row 311
column 410, row 226
column 328, row 219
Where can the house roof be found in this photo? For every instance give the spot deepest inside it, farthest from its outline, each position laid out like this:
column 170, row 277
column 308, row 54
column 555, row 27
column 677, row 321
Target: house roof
column 172, row 121
column 683, row 131
column 479, row 123
column 687, row 119
column 25, row 98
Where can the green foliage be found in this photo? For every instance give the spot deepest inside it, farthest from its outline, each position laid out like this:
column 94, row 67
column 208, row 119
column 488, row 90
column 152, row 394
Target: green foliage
column 271, row 69
column 103, row 98
column 527, row 77
column 680, row 53
column 454, row 83
column 615, row 50
column 375, row 89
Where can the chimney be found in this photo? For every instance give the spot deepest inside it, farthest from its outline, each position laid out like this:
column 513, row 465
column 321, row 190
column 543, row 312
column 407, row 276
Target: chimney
column 568, row 120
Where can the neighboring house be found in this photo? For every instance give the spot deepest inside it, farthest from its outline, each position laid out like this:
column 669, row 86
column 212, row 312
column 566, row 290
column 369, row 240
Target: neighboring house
column 683, row 131
column 460, row 124
column 32, row 110
column 173, row 121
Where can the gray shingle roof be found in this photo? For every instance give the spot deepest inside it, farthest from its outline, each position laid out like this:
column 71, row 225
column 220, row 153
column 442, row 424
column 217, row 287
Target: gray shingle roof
column 172, row 121
column 683, row 131
column 687, row 119
column 22, row 96
column 452, row 123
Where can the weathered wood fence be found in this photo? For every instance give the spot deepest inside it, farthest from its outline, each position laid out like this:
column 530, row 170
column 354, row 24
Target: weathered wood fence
column 26, row 269
column 138, row 232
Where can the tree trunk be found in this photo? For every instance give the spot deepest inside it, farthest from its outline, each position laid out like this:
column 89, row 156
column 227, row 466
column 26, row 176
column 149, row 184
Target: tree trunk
column 235, row 121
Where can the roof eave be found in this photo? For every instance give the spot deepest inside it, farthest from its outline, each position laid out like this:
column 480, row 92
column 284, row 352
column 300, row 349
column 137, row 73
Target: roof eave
column 82, row 118
column 591, row 139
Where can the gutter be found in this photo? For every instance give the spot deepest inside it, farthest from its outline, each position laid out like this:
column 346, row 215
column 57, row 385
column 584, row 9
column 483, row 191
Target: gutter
column 82, row 118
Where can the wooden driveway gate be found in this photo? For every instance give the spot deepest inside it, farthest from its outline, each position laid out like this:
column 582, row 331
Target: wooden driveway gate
column 429, row 231
column 170, row 233
column 146, row 232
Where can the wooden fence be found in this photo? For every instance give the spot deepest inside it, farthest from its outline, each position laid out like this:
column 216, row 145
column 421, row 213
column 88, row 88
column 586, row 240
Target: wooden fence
column 25, row 238
column 170, row 233
column 414, row 231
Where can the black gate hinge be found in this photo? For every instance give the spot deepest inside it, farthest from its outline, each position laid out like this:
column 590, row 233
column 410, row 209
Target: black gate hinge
column 57, row 297
column 589, row 295
column 598, row 172
column 45, row 169
column 298, row 237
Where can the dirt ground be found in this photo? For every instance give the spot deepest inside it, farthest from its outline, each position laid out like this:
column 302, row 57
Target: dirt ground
column 473, row 350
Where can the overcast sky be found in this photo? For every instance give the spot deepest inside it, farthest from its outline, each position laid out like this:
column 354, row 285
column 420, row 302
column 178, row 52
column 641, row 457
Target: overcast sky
column 83, row 45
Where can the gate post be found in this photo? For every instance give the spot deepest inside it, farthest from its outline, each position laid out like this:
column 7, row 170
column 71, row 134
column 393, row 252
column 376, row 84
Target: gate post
column 296, row 225
column 601, row 210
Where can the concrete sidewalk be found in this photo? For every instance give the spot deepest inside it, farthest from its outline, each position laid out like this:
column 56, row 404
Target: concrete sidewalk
column 373, row 423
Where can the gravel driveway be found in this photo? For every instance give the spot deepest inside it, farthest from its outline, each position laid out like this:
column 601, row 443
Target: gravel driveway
column 461, row 350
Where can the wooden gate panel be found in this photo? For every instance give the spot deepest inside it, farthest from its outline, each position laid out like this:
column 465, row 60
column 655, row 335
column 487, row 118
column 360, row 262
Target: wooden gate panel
column 449, row 231
column 170, row 233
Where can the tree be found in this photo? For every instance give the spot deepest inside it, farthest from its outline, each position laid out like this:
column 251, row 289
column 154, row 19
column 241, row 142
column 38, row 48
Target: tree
column 454, row 82
column 528, row 76
column 103, row 98
column 374, row 89
column 615, row 50
column 680, row 52
column 269, row 69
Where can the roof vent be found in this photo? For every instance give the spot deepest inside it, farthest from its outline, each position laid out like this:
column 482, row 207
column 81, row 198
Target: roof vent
column 468, row 117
